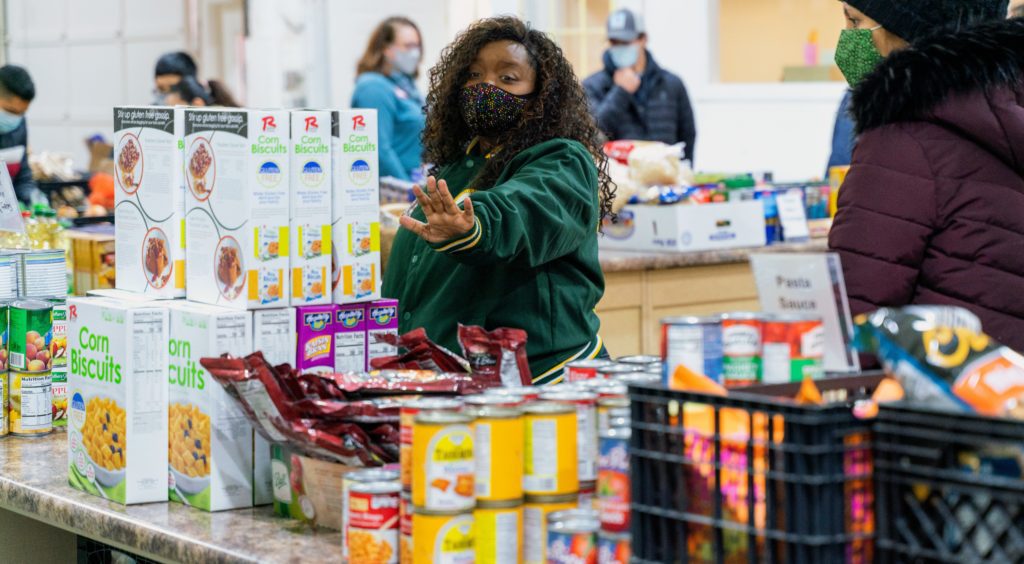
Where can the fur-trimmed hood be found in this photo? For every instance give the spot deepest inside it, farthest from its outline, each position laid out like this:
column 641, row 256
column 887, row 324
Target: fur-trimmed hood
column 942, row 78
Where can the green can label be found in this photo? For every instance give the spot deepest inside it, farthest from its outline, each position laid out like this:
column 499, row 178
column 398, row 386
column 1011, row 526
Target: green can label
column 31, row 332
column 4, row 324
column 59, row 340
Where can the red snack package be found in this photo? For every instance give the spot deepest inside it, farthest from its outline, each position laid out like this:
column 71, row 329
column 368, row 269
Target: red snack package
column 389, row 382
column 257, row 389
column 421, row 354
column 344, row 442
column 619, row 150
column 497, row 356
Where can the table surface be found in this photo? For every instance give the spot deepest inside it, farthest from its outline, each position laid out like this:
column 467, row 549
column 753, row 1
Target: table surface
column 33, row 482
column 624, row 261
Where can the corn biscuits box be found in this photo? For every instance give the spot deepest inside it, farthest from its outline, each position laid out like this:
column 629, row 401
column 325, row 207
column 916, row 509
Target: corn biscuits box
column 117, row 396
column 210, row 441
column 311, row 187
column 236, row 165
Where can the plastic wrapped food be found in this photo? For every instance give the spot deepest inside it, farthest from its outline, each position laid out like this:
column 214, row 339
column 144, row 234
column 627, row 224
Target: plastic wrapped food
column 496, row 356
column 384, row 382
column 345, row 443
column 420, row 354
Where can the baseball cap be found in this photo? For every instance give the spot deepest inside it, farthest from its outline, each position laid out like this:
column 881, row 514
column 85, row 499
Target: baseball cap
column 624, row 25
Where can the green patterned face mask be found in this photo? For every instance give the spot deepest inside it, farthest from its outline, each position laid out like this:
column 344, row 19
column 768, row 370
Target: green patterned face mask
column 856, row 54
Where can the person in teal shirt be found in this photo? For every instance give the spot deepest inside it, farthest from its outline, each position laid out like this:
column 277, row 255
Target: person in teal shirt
column 386, row 75
column 505, row 232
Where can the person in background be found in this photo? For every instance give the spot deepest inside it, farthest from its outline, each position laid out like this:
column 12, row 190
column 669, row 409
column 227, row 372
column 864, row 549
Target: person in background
column 1017, row 8
column 16, row 93
column 932, row 210
column 172, row 68
column 633, row 97
column 386, row 74
column 843, row 138
column 188, row 92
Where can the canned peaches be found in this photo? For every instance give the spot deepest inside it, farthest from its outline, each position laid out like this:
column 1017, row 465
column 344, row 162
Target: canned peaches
column 498, row 452
column 551, row 457
column 442, row 461
column 438, row 536
column 499, row 532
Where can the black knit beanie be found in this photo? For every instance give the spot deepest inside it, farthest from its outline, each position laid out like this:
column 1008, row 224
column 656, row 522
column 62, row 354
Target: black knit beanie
column 912, row 20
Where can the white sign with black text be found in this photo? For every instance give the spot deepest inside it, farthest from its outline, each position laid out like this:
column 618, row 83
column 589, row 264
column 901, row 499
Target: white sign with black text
column 10, row 212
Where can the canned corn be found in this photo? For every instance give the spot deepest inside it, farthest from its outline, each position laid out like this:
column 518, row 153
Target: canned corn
column 583, row 370
column 373, row 521
column 499, row 532
column 443, row 464
column 498, row 452
column 439, row 536
column 351, row 479
column 550, row 458
column 405, row 528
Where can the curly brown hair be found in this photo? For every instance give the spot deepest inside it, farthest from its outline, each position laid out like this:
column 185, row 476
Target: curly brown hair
column 557, row 109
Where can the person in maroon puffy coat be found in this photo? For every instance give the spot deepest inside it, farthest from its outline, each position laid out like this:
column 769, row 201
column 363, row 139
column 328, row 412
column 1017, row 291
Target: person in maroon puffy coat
column 932, row 210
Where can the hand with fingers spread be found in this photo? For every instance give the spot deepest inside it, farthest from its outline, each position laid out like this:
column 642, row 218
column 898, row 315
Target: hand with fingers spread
column 444, row 218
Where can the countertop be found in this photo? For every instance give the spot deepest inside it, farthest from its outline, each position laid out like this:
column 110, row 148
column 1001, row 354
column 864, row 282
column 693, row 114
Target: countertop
column 33, row 482
column 625, row 261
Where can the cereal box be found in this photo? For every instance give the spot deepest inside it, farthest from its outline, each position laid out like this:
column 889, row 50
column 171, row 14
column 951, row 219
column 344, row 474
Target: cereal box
column 237, row 201
column 117, row 393
column 350, row 338
column 381, row 319
column 149, row 200
column 311, row 187
column 210, row 441
column 314, row 328
column 274, row 335
column 356, row 207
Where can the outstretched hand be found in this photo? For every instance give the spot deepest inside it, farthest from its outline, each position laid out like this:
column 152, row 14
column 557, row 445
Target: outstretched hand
column 444, row 218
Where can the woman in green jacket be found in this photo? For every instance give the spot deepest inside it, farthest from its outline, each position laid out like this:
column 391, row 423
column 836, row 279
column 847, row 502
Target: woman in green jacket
column 505, row 232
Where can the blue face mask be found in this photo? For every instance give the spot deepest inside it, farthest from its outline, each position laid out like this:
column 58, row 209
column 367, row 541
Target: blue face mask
column 9, row 122
column 624, row 56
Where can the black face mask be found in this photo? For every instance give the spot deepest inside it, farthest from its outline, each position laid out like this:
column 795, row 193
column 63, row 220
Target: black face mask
column 490, row 111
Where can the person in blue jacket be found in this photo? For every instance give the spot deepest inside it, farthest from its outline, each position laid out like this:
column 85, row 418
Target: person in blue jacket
column 16, row 93
column 843, row 137
column 386, row 75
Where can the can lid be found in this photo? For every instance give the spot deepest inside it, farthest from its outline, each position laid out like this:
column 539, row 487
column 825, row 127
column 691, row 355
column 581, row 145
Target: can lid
column 468, row 513
column 574, row 526
column 614, row 401
column 617, row 433
column 617, row 369
column 483, row 400
column 512, row 392
column 743, row 316
column 499, row 411
column 426, row 404
column 376, row 487
column 548, row 407
column 31, row 304
column 442, row 417
column 692, row 320
column 569, row 396
column 638, row 378
column 640, row 359
column 589, row 363
column 505, row 504
column 574, row 514
column 372, row 475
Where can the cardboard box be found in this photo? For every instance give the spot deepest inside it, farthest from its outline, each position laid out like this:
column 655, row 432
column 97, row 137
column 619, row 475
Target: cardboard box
column 381, row 319
column 237, row 201
column 320, row 503
column 311, row 187
column 274, row 335
column 314, row 330
column 210, row 439
column 687, row 228
column 117, row 394
column 92, row 260
column 149, row 202
column 350, row 338
column 356, row 265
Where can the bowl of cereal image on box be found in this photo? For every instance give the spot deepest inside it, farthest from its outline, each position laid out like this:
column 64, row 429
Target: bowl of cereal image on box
column 103, row 440
column 188, row 448
column 228, row 267
column 156, row 258
column 201, row 169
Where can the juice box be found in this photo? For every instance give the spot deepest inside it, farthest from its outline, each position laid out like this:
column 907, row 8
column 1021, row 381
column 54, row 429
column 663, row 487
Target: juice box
column 310, row 180
column 350, row 338
column 314, row 329
column 381, row 319
column 237, row 200
column 149, row 210
column 210, row 440
column 356, row 207
column 117, row 393
column 274, row 335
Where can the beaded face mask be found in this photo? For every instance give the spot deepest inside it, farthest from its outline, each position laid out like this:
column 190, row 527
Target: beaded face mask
column 856, row 54
column 490, row 111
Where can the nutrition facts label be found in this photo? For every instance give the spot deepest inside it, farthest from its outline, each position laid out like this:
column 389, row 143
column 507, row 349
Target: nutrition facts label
column 36, row 403
column 350, row 352
column 543, row 462
column 149, row 369
column 273, row 336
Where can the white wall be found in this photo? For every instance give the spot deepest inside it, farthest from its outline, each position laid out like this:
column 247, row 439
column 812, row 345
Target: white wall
column 85, row 57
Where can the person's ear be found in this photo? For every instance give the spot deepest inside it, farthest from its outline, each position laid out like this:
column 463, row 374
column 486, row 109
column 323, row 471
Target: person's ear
column 642, row 40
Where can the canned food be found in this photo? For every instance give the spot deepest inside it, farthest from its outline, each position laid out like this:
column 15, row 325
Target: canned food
column 498, row 452
column 406, row 415
column 641, row 360
column 535, row 524
column 59, row 359
column 607, row 408
column 405, row 528
column 586, row 369
column 4, row 403
column 613, row 371
column 613, row 483
column 524, row 395
column 693, row 342
column 499, row 532
column 443, row 465
column 350, row 480
column 741, row 349
column 438, row 536
column 31, row 406
column 550, row 465
column 31, row 332
column 572, row 537
column 4, row 335
column 373, row 522
column 586, row 429
column 620, row 421
column 491, row 400
column 794, row 348
column 587, row 497
column 613, row 548
column 640, row 379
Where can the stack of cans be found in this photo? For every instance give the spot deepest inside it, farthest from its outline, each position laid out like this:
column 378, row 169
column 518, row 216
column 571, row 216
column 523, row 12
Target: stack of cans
column 43, row 274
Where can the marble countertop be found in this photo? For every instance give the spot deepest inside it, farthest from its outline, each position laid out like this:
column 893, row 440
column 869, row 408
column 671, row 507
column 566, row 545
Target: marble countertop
column 33, row 482
column 625, row 261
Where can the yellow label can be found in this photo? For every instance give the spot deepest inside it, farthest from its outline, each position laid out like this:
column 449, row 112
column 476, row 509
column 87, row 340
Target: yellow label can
column 499, row 532
column 550, row 466
column 31, row 403
column 535, row 524
column 442, row 537
column 407, row 415
column 498, row 450
column 442, row 461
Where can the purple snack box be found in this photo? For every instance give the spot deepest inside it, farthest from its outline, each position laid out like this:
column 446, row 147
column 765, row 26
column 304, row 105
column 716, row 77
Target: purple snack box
column 381, row 318
column 350, row 338
column 314, row 331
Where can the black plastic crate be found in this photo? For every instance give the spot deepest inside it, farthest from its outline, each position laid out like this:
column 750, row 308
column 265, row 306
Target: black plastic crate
column 949, row 486
column 799, row 492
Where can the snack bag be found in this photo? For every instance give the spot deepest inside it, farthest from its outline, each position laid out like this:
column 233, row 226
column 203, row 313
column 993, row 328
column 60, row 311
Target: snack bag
column 942, row 359
column 498, row 355
column 420, row 354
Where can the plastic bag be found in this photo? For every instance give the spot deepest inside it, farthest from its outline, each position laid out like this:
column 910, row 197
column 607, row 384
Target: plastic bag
column 497, row 356
column 420, row 354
